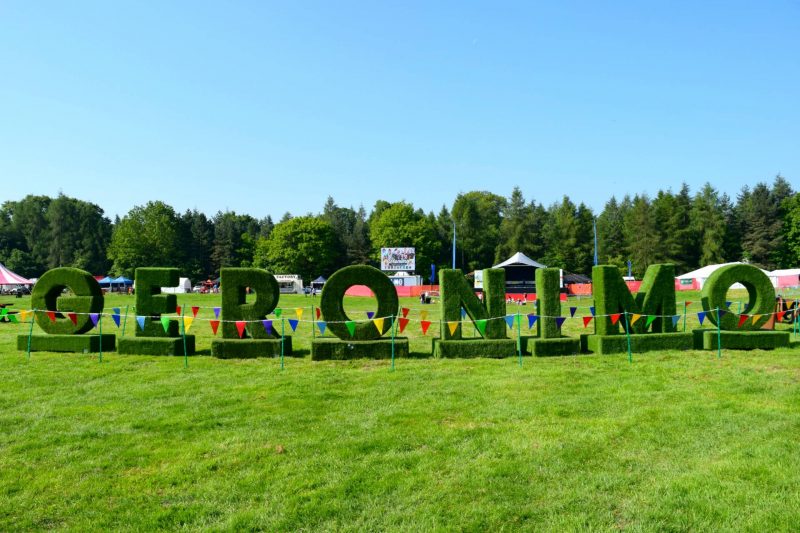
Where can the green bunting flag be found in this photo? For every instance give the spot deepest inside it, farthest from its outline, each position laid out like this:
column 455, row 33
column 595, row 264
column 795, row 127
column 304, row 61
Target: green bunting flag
column 165, row 323
column 481, row 325
column 351, row 327
column 278, row 312
column 650, row 319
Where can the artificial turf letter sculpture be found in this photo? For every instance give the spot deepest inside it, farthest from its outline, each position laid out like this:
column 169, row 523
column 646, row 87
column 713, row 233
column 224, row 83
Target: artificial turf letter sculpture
column 739, row 331
column 652, row 308
column 551, row 341
column 258, row 338
column 488, row 316
column 363, row 338
column 156, row 338
column 66, row 318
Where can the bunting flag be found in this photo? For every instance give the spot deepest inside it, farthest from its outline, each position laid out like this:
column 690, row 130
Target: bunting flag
column 755, row 318
column 278, row 312
column 370, row 314
column 24, row 315
column 572, row 311
column 214, row 325
column 240, row 325
column 722, row 312
column 140, row 321
column 116, row 310
column 404, row 310
column 165, row 323
column 563, row 297
column 351, row 327
column 510, row 321
column 13, row 318
column 73, row 318
column 481, row 325
column 52, row 316
column 743, row 319
column 115, row 316
column 650, row 319
column 319, row 313
column 378, row 324
column 559, row 321
column 532, row 320
column 195, row 310
column 701, row 315
column 178, row 309
column 779, row 316
column 293, row 323
column 634, row 318
column 299, row 313
column 463, row 313
column 423, row 315
column 675, row 320
column 321, row 325
column 424, row 324
column 187, row 323
column 3, row 312
column 267, row 326
column 403, row 323
column 95, row 317
column 452, row 326
column 687, row 303
column 586, row 320
column 216, row 312
column 615, row 318
column 728, row 304
column 591, row 310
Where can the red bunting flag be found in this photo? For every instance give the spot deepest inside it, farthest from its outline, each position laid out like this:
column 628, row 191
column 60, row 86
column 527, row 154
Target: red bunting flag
column 563, row 297
column 425, row 325
column 214, row 325
column 404, row 310
column 403, row 323
column 195, row 309
column 743, row 319
column 780, row 315
column 319, row 313
column 615, row 318
column 73, row 318
column 586, row 320
column 687, row 303
column 178, row 309
column 52, row 316
column 240, row 325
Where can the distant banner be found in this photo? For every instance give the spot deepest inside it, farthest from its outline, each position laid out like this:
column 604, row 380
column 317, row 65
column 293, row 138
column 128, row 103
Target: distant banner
column 398, row 259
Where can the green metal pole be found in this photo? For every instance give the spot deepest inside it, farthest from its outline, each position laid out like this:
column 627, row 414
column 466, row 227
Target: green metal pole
column 313, row 320
column 125, row 321
column 100, row 330
column 719, row 337
column 282, row 340
column 628, row 335
column 183, row 333
column 684, row 316
column 519, row 340
column 392, row 319
column 30, row 333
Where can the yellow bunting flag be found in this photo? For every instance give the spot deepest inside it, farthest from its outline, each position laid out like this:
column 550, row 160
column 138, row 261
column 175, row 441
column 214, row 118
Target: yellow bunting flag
column 634, row 318
column 423, row 315
column 755, row 318
column 378, row 324
column 299, row 313
column 23, row 314
column 187, row 322
column 452, row 327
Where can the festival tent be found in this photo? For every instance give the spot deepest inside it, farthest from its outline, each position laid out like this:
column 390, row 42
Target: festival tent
column 108, row 280
column 8, row 277
column 319, row 282
column 697, row 278
column 786, row 277
column 520, row 273
column 122, row 280
column 184, row 285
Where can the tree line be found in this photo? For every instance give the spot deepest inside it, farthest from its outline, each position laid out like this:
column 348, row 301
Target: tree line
column 762, row 227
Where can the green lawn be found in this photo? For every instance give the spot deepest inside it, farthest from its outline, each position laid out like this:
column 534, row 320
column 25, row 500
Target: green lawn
column 675, row 441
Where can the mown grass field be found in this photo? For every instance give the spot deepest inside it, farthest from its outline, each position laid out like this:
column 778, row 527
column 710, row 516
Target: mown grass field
column 675, row 441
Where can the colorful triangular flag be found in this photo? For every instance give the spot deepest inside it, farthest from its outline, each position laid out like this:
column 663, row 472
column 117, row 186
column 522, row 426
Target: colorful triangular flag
column 73, row 318
column 701, row 315
column 165, row 323
column 532, row 320
column 634, row 318
column 559, row 321
column 572, row 311
column 240, row 325
column 370, row 314
column 115, row 317
column 95, row 317
column 13, row 318
column 463, row 313
column 214, row 325
column 755, row 318
column 779, row 316
column 293, row 324
column 187, row 323
column 403, row 323
column 321, row 325
column 615, row 318
column 178, row 309
column 424, row 324
column 452, row 326
column 278, row 312
column 743, row 319
column 510, row 321
column 675, row 320
column 404, row 310
column 591, row 310
column 650, row 319
column 23, row 314
column 267, row 326
column 140, row 321
column 586, row 320
column 481, row 325
column 51, row 315
column 195, row 310
column 299, row 313
column 216, row 312
column 378, row 324
column 319, row 313
column 351, row 327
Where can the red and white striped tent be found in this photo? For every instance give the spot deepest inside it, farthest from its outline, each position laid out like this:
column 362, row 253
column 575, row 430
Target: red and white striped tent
column 10, row 278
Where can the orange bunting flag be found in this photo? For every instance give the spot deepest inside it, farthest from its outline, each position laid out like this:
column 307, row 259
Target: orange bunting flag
column 755, row 318
column 214, row 325
column 634, row 318
column 425, row 325
column 73, row 318
column 743, row 319
column 586, row 320
column 615, row 318
column 423, row 315
column 52, row 316
column 404, row 310
column 452, row 326
column 403, row 323
column 378, row 324
column 240, row 325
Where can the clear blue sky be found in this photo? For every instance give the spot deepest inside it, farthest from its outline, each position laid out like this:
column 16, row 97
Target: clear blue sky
column 266, row 107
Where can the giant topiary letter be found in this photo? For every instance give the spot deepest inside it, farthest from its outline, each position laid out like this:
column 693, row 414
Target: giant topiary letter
column 332, row 301
column 234, row 283
column 151, row 304
column 547, row 294
column 760, row 292
column 457, row 293
column 47, row 295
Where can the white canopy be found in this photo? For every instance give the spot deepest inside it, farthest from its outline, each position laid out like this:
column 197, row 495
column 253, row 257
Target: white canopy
column 702, row 274
column 519, row 259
